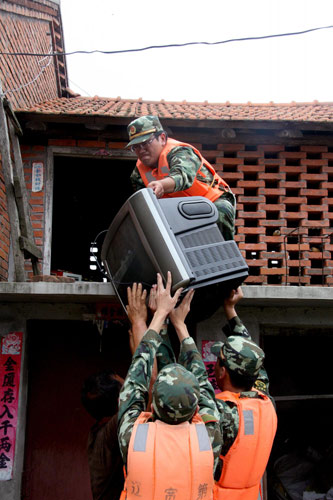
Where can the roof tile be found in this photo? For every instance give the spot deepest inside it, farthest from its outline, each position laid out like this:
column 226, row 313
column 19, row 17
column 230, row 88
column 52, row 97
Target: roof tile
column 131, row 108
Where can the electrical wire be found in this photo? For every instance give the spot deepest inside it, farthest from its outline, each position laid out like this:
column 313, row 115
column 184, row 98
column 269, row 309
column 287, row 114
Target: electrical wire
column 172, row 45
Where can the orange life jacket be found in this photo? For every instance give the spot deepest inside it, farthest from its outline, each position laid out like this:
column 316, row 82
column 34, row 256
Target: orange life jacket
column 198, row 188
column 246, row 461
column 169, row 461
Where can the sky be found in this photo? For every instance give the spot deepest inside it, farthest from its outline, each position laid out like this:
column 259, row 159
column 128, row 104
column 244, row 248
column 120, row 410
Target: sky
column 284, row 69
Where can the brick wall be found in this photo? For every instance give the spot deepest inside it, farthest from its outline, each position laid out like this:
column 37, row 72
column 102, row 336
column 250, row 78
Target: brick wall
column 284, row 210
column 284, row 207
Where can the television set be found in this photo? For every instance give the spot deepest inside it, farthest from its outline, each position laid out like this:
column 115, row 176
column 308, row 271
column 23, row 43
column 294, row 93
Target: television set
column 150, row 235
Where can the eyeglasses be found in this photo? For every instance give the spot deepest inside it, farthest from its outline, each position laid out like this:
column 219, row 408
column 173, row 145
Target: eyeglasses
column 143, row 145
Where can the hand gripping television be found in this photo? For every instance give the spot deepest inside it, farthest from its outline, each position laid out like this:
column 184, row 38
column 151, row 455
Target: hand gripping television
column 150, row 235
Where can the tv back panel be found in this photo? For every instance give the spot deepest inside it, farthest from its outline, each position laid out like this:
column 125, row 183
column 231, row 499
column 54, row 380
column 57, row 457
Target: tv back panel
column 150, row 235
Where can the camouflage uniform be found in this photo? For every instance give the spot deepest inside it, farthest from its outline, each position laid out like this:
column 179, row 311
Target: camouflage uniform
column 238, row 341
column 134, row 394
column 184, row 164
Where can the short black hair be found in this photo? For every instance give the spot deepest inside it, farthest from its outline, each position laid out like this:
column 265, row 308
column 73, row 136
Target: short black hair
column 100, row 393
column 240, row 381
column 157, row 134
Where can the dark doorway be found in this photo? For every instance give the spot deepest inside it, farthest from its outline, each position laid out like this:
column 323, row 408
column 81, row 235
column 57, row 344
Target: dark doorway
column 298, row 362
column 61, row 355
column 87, row 195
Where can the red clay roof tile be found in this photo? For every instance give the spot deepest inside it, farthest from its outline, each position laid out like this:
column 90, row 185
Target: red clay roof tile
column 116, row 107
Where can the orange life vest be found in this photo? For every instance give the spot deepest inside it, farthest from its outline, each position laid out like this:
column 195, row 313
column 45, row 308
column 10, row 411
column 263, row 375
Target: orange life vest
column 169, row 461
column 198, row 188
column 246, row 461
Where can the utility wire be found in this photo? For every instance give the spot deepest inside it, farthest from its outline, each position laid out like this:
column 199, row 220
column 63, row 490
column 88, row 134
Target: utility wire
column 245, row 39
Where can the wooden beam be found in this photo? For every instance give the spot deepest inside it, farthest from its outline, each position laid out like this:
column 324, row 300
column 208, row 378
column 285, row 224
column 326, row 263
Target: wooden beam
column 11, row 203
column 12, row 116
column 29, row 248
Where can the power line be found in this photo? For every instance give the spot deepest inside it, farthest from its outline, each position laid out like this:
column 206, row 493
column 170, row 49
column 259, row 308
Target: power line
column 245, row 39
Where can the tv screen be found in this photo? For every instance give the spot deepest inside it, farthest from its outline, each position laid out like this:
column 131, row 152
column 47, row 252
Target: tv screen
column 150, row 235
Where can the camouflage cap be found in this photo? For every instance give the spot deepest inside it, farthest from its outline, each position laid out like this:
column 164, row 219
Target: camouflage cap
column 240, row 354
column 143, row 128
column 175, row 394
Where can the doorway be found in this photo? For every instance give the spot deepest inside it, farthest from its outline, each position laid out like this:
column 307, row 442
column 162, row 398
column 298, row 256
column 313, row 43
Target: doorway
column 87, row 194
column 61, row 354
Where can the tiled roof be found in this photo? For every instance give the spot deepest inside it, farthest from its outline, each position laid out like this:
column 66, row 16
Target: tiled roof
column 31, row 27
column 117, row 108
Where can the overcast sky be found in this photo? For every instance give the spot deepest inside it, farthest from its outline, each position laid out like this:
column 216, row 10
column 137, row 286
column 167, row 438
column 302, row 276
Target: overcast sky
column 295, row 68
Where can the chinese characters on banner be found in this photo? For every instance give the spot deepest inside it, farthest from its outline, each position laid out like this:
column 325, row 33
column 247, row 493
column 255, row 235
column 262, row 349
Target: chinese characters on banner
column 10, row 364
column 209, row 360
column 37, row 177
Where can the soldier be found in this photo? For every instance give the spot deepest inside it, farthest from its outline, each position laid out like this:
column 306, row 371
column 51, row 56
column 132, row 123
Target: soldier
column 168, row 451
column 172, row 169
column 247, row 413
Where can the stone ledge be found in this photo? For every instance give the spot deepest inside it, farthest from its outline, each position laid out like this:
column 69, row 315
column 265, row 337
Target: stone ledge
column 83, row 292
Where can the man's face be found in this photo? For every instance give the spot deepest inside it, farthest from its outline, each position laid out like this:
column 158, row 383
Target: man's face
column 149, row 151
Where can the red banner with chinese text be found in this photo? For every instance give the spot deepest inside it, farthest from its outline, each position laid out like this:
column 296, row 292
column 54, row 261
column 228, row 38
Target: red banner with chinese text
column 10, row 367
column 209, row 360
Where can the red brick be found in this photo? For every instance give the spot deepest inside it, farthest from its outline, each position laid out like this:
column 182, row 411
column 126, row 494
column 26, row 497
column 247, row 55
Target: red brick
column 253, row 215
column 252, row 246
column 272, row 191
column 313, row 177
column 230, row 147
column 314, row 149
column 251, row 230
column 273, row 223
column 91, row 144
column 271, row 162
column 116, row 145
column 253, row 168
column 270, row 148
column 62, row 142
column 315, row 223
column 255, row 279
column 292, row 154
column 230, row 161
column 272, row 270
column 272, row 208
column 251, row 199
column 314, row 208
column 250, row 154
column 314, row 163
column 293, row 170
column 255, row 263
column 293, row 200
column 251, row 184
column 313, row 192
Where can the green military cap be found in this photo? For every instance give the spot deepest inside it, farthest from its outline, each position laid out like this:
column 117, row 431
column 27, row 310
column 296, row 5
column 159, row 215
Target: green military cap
column 142, row 129
column 240, row 354
column 175, row 394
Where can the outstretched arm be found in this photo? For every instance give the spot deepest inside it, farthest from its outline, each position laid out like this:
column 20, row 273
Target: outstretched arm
column 234, row 325
column 137, row 314
column 133, row 396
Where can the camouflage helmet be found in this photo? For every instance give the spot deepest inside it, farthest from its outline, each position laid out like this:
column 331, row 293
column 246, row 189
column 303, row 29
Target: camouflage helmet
column 175, row 394
column 141, row 129
column 240, row 355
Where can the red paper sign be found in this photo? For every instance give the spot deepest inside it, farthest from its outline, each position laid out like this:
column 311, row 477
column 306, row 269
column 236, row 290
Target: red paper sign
column 10, row 366
column 209, row 360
